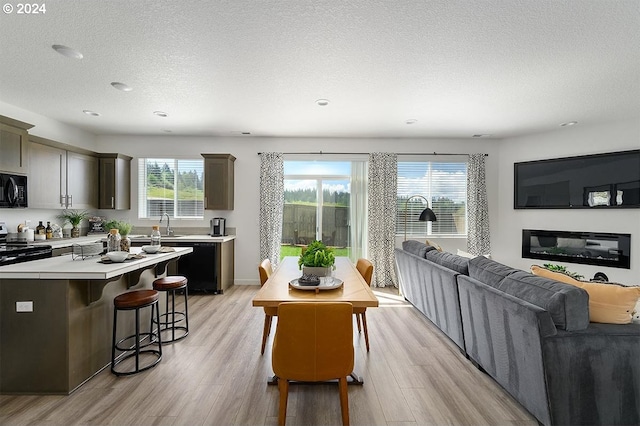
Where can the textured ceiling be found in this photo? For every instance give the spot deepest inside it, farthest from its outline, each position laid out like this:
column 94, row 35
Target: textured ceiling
column 459, row 68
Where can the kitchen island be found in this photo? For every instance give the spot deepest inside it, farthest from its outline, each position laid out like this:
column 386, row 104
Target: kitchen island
column 56, row 317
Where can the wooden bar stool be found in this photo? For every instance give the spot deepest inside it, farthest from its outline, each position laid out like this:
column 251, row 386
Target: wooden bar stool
column 136, row 300
column 171, row 319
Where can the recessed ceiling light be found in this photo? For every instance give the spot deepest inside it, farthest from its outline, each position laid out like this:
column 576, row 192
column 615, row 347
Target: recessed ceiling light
column 322, row 102
column 167, row 131
column 569, row 123
column 161, row 113
column 411, row 121
column 67, row 51
column 91, row 113
column 121, row 86
column 481, row 136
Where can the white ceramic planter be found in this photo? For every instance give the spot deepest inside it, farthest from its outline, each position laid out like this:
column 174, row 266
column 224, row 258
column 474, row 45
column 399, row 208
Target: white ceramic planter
column 317, row 270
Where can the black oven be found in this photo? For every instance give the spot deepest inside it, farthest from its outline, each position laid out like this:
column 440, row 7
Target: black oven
column 13, row 190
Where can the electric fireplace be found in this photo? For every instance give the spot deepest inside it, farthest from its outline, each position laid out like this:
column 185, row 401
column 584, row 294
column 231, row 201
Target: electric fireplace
column 590, row 248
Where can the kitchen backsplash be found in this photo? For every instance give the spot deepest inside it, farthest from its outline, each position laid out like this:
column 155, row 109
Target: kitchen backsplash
column 14, row 217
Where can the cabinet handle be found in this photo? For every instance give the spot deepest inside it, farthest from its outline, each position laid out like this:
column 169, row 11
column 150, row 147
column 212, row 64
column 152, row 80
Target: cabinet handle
column 62, row 201
column 113, row 203
column 70, row 200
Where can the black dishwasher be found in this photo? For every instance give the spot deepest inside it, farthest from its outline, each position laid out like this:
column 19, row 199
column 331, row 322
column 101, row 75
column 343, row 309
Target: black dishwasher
column 200, row 267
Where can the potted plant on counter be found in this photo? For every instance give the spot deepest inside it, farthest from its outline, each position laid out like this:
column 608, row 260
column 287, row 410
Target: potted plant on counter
column 124, row 228
column 74, row 217
column 317, row 259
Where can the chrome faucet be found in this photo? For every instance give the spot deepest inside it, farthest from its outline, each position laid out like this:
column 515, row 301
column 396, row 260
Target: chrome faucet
column 169, row 230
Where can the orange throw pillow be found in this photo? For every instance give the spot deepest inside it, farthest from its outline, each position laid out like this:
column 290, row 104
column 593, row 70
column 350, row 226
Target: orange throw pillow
column 608, row 303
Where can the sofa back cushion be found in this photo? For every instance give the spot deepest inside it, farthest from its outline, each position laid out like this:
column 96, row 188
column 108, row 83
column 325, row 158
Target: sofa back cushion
column 567, row 305
column 416, row 247
column 489, row 271
column 449, row 260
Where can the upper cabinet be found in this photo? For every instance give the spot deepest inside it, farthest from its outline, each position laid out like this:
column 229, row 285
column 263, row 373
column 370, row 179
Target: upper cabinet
column 61, row 178
column 115, row 182
column 218, row 181
column 14, row 142
column 82, row 180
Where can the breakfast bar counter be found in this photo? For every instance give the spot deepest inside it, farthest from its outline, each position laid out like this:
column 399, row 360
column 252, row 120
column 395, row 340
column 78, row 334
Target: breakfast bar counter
column 65, row 267
column 56, row 317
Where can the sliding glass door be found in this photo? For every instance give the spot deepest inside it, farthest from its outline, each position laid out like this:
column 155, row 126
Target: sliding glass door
column 318, row 198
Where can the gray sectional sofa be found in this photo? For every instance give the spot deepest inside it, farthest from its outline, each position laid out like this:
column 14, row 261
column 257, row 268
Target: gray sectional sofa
column 532, row 335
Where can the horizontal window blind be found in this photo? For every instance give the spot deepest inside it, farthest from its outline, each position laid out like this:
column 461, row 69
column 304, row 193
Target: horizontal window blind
column 173, row 186
column 444, row 185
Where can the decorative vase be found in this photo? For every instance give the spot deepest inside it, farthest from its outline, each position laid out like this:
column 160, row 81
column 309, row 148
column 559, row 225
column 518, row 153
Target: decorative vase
column 320, row 271
column 125, row 243
column 75, row 232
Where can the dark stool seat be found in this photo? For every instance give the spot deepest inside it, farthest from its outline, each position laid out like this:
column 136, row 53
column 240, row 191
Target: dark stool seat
column 136, row 300
column 171, row 321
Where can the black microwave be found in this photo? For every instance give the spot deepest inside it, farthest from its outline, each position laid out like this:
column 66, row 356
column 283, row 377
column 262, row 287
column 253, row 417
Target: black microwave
column 14, row 190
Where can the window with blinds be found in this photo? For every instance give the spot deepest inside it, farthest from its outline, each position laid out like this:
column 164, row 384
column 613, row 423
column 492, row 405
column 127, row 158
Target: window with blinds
column 444, row 186
column 173, row 186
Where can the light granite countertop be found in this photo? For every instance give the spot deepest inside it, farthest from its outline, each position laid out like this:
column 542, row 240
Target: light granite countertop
column 68, row 242
column 65, row 267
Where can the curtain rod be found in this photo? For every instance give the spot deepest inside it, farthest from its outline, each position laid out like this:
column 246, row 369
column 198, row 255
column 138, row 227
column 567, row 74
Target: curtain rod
column 360, row 153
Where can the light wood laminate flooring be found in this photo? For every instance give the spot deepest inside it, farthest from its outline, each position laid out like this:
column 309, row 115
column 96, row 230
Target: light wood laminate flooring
column 413, row 375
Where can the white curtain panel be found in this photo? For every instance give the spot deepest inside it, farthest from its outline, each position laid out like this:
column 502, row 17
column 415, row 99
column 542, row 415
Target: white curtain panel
column 358, row 210
column 478, row 235
column 271, row 205
column 382, row 204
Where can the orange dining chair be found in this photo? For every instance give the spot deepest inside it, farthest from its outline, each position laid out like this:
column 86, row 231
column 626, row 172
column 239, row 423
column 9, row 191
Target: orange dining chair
column 266, row 271
column 365, row 267
column 313, row 343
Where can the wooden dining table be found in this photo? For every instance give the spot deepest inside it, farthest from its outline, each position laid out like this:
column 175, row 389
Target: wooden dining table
column 354, row 290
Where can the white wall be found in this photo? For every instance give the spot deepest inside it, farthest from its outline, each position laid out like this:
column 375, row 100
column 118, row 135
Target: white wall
column 50, row 129
column 506, row 223
column 567, row 141
column 247, row 167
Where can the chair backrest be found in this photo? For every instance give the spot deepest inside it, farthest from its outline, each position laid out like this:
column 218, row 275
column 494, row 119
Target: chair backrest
column 313, row 341
column 265, row 271
column 365, row 267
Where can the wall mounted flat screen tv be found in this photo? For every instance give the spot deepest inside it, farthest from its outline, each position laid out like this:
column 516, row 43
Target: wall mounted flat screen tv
column 610, row 180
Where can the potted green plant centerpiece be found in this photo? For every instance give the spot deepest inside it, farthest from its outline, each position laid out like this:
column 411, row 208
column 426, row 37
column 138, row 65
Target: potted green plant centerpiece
column 124, row 228
column 317, row 259
column 74, row 217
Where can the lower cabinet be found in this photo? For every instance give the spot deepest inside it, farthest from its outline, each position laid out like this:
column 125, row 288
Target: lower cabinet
column 209, row 269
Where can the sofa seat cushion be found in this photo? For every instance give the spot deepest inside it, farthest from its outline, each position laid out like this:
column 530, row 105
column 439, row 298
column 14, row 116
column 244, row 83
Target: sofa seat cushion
column 608, row 303
column 416, row 247
column 449, row 260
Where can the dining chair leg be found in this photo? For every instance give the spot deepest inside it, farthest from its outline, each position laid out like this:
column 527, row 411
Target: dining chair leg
column 283, row 387
column 344, row 400
column 358, row 322
column 366, row 331
column 265, row 332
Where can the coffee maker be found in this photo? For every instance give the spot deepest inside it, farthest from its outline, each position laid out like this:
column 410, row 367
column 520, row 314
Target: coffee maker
column 218, row 227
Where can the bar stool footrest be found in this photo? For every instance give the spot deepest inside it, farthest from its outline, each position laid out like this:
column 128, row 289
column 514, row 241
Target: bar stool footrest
column 154, row 352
